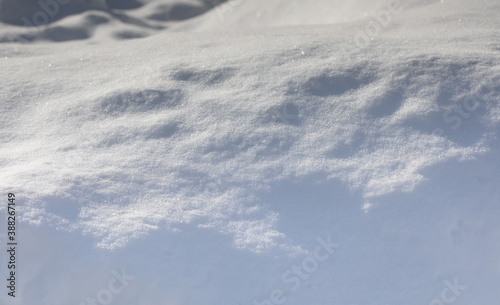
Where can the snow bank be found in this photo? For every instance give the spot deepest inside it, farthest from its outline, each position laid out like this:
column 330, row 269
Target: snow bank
column 41, row 21
column 221, row 167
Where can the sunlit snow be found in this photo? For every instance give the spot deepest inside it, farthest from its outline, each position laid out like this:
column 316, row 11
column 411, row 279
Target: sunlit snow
column 251, row 152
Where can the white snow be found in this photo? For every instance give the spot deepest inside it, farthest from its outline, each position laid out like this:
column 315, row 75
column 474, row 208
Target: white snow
column 198, row 152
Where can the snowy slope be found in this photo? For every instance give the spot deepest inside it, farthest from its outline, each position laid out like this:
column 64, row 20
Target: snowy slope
column 194, row 166
column 99, row 20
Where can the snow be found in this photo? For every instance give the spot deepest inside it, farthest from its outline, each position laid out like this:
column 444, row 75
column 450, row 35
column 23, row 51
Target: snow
column 183, row 152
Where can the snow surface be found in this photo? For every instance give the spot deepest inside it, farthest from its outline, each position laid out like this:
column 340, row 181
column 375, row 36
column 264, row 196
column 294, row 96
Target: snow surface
column 208, row 149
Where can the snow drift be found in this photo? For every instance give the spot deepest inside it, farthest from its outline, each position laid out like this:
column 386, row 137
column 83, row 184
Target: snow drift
column 194, row 166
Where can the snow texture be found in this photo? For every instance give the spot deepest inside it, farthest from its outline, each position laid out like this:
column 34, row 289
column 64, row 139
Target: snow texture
column 210, row 152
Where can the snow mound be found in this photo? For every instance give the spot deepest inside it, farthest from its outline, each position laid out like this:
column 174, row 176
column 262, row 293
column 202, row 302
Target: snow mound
column 36, row 13
column 97, row 19
column 208, row 166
